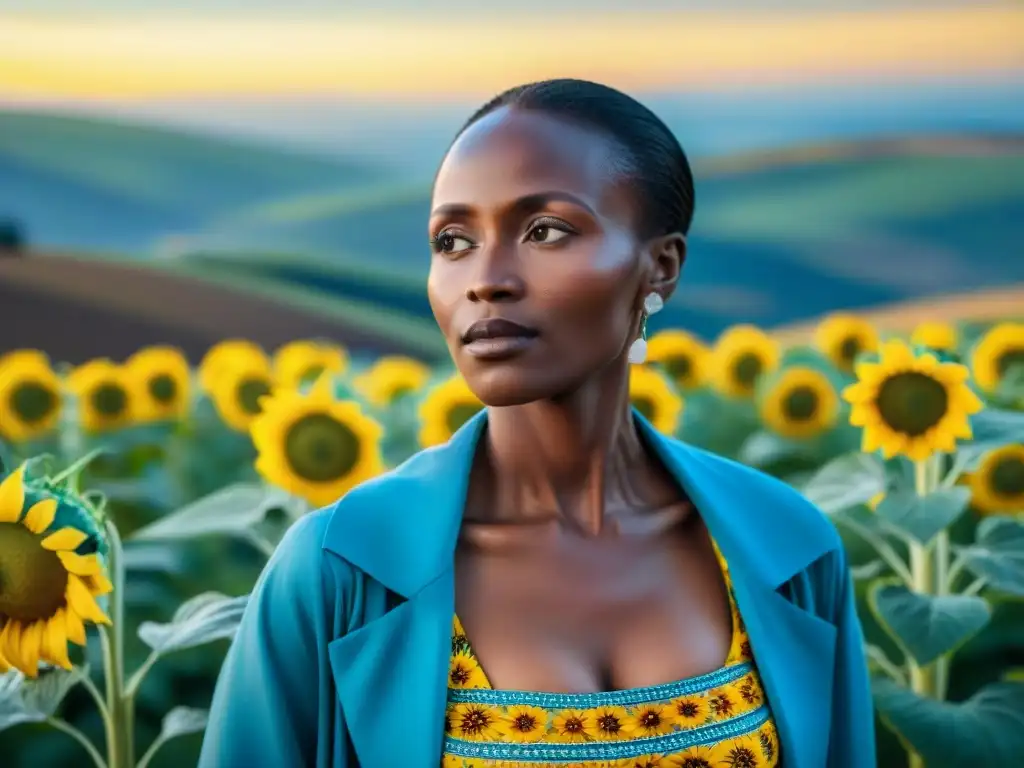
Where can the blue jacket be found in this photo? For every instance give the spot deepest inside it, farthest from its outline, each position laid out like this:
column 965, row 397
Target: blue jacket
column 341, row 660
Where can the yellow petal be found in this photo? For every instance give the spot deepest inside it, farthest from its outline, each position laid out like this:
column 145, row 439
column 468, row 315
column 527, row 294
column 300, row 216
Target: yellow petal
column 99, row 584
column 81, row 601
column 75, row 627
column 12, row 496
column 80, row 565
column 67, row 538
column 40, row 516
column 4, row 664
column 55, row 641
column 31, row 644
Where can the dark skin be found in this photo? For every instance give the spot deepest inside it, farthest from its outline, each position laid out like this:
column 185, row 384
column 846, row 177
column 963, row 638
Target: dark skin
column 581, row 566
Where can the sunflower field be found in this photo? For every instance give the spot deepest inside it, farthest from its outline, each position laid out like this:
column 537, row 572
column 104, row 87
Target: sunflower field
column 140, row 499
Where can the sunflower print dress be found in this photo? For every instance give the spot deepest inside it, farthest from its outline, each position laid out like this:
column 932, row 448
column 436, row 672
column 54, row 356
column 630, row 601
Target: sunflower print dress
column 717, row 720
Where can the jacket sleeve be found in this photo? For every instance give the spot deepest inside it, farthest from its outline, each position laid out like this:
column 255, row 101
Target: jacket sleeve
column 271, row 705
column 852, row 741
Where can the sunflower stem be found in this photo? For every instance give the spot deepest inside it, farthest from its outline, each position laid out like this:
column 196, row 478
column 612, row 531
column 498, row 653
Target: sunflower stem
column 74, row 470
column 77, row 735
column 929, row 567
column 120, row 735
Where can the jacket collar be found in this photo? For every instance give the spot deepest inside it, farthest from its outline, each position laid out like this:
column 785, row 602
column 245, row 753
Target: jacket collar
column 401, row 528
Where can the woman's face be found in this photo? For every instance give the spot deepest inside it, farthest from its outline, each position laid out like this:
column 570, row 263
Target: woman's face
column 537, row 275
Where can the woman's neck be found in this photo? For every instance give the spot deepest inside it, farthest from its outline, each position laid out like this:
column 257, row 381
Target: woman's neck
column 578, row 460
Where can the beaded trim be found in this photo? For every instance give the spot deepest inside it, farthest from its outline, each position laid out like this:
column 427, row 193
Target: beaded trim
column 611, row 750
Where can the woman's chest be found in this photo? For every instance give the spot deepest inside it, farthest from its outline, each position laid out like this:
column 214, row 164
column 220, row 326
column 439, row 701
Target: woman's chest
column 594, row 619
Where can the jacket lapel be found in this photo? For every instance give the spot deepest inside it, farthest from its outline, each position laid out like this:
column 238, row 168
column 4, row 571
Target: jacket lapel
column 391, row 677
column 767, row 537
column 391, row 669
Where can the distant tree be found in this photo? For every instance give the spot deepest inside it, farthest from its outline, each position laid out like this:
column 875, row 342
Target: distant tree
column 12, row 235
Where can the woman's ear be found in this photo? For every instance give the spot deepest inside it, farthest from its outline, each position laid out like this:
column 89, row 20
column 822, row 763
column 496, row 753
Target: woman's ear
column 667, row 255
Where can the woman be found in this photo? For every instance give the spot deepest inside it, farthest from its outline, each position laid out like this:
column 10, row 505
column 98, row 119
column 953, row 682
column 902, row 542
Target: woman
column 559, row 584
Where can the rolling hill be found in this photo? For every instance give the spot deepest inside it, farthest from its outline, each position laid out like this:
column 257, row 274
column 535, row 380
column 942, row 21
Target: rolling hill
column 777, row 238
column 103, row 185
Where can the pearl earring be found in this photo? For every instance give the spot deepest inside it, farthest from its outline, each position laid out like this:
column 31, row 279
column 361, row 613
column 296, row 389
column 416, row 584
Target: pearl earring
column 653, row 304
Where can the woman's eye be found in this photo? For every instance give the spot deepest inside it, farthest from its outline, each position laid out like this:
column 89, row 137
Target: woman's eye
column 446, row 242
column 544, row 233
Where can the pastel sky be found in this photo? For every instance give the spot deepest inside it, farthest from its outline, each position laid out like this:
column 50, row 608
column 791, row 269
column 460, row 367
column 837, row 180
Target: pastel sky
column 127, row 49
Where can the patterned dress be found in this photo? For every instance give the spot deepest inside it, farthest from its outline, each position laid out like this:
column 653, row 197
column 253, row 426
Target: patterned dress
column 717, row 720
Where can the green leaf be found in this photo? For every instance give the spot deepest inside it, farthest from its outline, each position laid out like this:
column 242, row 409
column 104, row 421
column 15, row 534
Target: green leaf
column 928, row 626
column 846, row 482
column 45, row 693
column 995, row 427
column 231, row 510
column 203, row 619
column 869, row 570
column 997, row 554
column 12, row 705
column 762, row 449
column 985, row 730
column 922, row 517
column 181, row 721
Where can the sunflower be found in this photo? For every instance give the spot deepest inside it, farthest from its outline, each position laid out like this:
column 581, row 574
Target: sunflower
column 1001, row 348
column 911, row 405
column 302, row 362
column 224, row 356
column 842, row 337
column 165, row 378
column 573, row 726
column 942, row 337
column 612, row 723
column 768, row 739
column 741, row 355
column 315, row 446
column 652, row 720
column 651, row 393
column 681, row 355
column 108, row 395
column 694, row 757
column 464, row 671
column 238, row 387
column 741, row 752
column 476, row 722
column 689, row 711
column 446, row 407
column 50, row 577
column 526, row 723
column 30, row 395
column 723, row 703
column 390, row 378
column 997, row 486
column 801, row 404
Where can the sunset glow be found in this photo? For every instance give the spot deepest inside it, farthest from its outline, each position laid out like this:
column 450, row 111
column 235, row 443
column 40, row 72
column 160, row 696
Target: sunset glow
column 153, row 57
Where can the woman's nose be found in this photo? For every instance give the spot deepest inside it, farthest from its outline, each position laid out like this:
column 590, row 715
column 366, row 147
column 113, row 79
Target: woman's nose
column 497, row 278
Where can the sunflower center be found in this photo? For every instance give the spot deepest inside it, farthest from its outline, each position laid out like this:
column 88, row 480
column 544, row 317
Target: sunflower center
column 747, row 368
column 32, row 579
column 109, row 400
column 1009, row 359
column 801, row 403
column 249, row 393
column 679, row 368
column 646, row 407
column 912, row 402
column 460, row 414
column 694, row 762
column 741, row 757
column 1008, row 477
column 609, row 724
column 849, row 349
column 525, row 723
column 163, row 388
column 32, row 401
column 321, row 449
